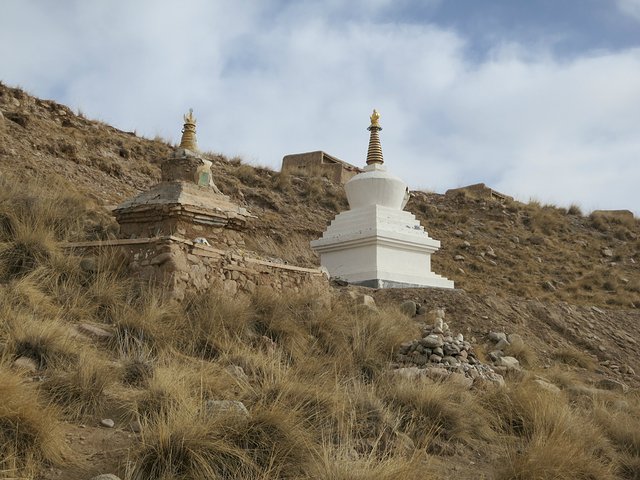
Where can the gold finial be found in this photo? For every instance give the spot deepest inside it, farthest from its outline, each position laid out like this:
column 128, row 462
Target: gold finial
column 375, row 117
column 188, row 140
column 374, row 154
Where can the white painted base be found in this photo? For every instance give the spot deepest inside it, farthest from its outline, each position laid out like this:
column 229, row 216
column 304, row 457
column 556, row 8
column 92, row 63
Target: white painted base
column 376, row 244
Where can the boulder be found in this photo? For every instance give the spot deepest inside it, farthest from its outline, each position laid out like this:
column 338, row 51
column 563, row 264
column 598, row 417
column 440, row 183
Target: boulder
column 226, row 407
column 368, row 301
column 510, row 363
column 409, row 308
column 497, row 336
column 544, row 385
column 432, row 341
column 613, row 385
column 26, row 364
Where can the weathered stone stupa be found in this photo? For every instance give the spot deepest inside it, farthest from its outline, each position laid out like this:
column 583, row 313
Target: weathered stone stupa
column 185, row 235
column 376, row 243
column 186, row 202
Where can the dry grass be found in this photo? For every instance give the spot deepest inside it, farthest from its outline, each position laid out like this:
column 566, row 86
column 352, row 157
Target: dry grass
column 28, row 250
column 338, row 466
column 30, row 431
column 554, row 455
column 523, row 352
column 81, row 391
column 574, row 357
column 47, row 342
column 214, row 322
column 314, row 368
column 556, row 441
column 269, row 443
column 441, row 410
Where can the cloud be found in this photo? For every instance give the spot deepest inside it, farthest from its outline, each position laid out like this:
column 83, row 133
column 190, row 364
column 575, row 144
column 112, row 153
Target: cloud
column 270, row 78
column 630, row 7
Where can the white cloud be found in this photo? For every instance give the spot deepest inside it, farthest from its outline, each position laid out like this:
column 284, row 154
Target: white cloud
column 630, row 7
column 267, row 80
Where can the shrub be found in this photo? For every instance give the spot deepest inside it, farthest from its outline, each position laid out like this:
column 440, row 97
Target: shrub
column 575, row 209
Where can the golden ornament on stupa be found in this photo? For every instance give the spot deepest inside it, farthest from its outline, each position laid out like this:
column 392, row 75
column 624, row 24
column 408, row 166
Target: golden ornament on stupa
column 188, row 140
column 374, row 153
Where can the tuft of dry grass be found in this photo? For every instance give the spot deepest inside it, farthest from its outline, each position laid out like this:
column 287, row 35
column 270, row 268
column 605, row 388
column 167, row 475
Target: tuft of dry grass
column 30, row 431
column 554, row 455
column 374, row 337
column 269, row 443
column 213, row 322
column 182, row 445
column 28, row 250
column 47, row 342
column 81, row 391
column 148, row 323
column 574, row 357
column 523, row 352
column 556, row 441
column 442, row 410
column 167, row 389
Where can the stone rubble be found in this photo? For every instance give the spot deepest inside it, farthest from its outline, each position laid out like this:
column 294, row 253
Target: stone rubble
column 441, row 355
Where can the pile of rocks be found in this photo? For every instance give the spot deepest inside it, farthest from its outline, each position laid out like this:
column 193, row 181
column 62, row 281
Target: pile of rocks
column 440, row 353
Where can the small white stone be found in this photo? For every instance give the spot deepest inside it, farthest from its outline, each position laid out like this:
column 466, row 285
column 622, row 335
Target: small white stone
column 107, row 422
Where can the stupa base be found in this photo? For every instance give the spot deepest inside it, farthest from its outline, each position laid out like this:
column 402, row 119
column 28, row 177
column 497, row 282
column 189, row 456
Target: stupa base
column 381, row 283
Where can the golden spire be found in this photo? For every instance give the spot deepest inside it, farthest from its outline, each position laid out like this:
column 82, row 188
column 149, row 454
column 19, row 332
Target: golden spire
column 374, row 154
column 188, row 140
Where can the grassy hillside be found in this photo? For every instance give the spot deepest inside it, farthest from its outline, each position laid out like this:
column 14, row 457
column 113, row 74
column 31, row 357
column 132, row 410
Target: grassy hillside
column 529, row 250
column 315, row 373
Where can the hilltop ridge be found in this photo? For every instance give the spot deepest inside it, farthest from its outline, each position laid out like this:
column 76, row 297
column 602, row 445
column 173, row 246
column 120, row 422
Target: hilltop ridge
column 488, row 245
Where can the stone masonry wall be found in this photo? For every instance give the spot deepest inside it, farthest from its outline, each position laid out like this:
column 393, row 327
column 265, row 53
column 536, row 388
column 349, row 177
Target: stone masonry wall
column 180, row 265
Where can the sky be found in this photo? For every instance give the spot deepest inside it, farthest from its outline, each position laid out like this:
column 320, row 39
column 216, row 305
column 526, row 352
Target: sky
column 539, row 99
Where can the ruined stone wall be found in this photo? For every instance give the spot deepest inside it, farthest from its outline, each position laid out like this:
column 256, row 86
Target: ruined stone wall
column 316, row 164
column 180, row 266
column 163, row 225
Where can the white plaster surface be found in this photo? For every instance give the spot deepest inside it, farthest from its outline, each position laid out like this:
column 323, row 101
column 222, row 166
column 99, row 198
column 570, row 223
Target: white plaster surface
column 376, row 241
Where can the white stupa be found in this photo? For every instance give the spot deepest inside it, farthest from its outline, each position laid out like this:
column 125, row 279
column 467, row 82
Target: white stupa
column 376, row 243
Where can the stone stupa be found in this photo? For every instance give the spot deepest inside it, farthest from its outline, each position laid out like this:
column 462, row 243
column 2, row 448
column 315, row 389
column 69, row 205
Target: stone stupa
column 376, row 243
column 186, row 203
